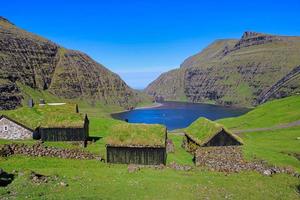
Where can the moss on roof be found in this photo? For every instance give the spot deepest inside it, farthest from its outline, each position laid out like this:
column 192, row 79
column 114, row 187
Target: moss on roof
column 47, row 116
column 137, row 135
column 202, row 130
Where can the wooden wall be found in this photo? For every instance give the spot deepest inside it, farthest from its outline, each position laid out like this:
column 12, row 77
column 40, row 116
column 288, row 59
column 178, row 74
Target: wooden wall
column 135, row 155
column 64, row 134
column 222, row 139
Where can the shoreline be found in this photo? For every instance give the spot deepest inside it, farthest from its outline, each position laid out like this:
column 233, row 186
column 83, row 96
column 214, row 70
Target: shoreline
column 154, row 105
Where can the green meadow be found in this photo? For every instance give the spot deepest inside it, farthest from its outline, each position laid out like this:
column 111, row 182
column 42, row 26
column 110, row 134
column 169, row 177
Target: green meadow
column 92, row 179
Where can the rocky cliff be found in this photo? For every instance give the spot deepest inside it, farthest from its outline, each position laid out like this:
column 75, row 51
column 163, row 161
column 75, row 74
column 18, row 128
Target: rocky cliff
column 31, row 60
column 243, row 72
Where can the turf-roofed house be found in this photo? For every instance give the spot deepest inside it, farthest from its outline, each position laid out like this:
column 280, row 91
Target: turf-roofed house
column 137, row 144
column 13, row 130
column 204, row 133
column 48, row 122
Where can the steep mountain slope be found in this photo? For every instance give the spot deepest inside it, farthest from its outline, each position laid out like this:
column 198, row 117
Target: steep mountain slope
column 30, row 60
column 169, row 85
column 244, row 72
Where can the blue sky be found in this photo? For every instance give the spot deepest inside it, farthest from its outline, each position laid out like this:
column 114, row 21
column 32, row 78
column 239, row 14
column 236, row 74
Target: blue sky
column 141, row 39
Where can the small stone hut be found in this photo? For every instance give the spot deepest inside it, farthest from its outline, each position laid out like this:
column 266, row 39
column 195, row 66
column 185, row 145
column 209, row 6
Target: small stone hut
column 137, row 144
column 204, row 133
column 13, row 130
column 49, row 122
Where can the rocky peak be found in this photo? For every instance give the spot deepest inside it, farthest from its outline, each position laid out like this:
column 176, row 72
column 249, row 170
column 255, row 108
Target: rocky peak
column 248, row 34
column 5, row 20
column 254, row 38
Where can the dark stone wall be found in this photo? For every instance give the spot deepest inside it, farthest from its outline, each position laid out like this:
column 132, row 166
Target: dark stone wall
column 136, row 155
column 39, row 150
column 222, row 139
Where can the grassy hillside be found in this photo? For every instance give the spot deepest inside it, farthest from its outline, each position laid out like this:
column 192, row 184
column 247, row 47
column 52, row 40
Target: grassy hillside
column 170, row 85
column 270, row 114
column 276, row 146
column 42, row 65
column 235, row 72
column 94, row 179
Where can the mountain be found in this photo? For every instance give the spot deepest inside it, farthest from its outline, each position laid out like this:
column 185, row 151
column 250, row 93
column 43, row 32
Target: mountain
column 240, row 72
column 31, row 60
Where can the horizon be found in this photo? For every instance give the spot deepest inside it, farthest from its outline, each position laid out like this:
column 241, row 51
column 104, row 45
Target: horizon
column 163, row 35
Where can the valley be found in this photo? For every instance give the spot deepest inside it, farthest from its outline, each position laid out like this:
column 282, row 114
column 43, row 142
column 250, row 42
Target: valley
column 224, row 125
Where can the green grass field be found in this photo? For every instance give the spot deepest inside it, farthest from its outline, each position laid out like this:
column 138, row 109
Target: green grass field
column 270, row 114
column 97, row 180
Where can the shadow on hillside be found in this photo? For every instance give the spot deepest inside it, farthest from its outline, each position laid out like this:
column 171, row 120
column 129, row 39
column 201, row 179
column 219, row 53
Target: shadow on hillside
column 94, row 139
column 6, row 179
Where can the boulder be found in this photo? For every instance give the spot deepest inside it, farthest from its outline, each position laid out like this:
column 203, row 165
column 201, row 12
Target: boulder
column 170, row 146
column 133, row 168
column 6, row 151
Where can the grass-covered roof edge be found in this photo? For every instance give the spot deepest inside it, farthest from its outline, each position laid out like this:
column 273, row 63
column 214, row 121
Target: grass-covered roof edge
column 137, row 136
column 207, row 136
column 16, row 122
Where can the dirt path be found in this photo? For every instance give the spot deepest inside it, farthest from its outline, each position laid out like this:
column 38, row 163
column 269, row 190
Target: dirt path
column 282, row 126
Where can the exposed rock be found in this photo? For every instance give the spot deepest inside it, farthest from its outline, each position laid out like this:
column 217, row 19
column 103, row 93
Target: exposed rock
column 39, row 150
column 267, row 172
column 235, row 72
column 63, row 184
column 10, row 95
column 43, row 65
column 5, row 20
column 167, row 86
column 6, row 151
column 38, row 178
column 133, row 168
column 170, row 146
column 230, row 159
column 253, row 38
column 265, row 95
column 174, row 165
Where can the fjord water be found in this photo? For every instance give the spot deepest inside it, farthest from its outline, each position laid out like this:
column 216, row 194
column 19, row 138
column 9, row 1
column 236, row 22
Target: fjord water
column 176, row 115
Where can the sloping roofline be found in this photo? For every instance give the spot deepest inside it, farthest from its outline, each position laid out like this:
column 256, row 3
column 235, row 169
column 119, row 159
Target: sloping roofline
column 219, row 129
column 237, row 138
column 14, row 121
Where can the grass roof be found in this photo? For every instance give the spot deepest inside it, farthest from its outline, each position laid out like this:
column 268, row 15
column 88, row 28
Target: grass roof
column 202, row 130
column 47, row 116
column 137, row 135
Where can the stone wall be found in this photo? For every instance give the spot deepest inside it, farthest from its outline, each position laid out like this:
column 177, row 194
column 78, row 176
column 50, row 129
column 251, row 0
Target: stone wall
column 12, row 131
column 40, row 150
